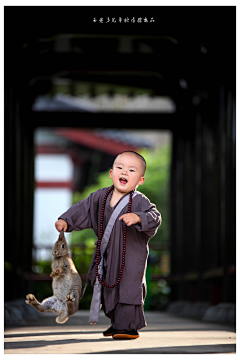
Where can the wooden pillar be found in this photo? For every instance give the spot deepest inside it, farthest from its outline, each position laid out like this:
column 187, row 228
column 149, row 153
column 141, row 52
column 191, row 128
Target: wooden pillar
column 18, row 176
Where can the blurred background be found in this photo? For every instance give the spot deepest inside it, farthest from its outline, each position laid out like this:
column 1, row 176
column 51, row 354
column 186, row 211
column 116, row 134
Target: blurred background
column 85, row 83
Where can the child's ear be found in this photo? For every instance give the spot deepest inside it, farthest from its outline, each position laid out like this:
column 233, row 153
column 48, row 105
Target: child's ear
column 141, row 181
column 110, row 173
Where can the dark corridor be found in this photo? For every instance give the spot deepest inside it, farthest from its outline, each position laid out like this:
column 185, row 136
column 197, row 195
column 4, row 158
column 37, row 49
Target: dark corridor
column 187, row 54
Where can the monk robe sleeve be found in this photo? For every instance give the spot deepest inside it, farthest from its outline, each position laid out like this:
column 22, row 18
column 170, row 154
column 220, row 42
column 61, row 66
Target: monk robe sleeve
column 83, row 215
column 150, row 218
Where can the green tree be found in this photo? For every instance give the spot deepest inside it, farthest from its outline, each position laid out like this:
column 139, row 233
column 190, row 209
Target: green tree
column 157, row 186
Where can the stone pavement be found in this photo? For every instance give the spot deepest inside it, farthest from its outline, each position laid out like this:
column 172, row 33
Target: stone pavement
column 164, row 334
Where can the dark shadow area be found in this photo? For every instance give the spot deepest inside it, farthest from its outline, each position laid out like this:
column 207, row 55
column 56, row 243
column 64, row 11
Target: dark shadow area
column 196, row 349
column 40, row 343
column 52, row 333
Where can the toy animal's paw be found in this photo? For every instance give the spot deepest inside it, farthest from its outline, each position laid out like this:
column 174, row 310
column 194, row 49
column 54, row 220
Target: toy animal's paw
column 56, row 272
column 70, row 298
column 31, row 300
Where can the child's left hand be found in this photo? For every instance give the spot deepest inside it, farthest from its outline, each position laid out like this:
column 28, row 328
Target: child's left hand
column 130, row 219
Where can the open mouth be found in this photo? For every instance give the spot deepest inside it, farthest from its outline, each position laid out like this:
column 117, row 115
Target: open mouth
column 123, row 181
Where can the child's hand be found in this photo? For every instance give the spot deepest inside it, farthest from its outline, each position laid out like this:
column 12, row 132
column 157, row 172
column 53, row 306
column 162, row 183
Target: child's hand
column 61, row 224
column 130, row 219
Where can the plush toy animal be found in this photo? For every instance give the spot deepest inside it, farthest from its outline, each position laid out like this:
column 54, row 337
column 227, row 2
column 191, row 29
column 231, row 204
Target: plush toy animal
column 66, row 284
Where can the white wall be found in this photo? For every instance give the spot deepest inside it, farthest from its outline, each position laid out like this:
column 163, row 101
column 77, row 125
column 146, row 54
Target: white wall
column 50, row 203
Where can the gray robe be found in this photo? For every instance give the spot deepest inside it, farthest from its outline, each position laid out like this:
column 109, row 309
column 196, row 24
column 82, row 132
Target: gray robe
column 132, row 287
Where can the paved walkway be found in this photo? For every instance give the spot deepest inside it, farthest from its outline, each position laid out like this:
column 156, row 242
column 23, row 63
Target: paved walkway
column 165, row 334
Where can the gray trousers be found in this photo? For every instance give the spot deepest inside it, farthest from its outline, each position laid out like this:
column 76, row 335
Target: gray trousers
column 126, row 317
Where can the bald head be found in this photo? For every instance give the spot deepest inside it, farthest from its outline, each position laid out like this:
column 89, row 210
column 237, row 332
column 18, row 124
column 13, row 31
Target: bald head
column 138, row 156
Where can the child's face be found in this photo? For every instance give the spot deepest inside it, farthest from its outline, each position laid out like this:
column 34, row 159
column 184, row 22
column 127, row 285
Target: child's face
column 127, row 173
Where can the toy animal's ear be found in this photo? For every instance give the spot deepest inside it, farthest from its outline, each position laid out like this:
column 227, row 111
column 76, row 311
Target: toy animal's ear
column 61, row 235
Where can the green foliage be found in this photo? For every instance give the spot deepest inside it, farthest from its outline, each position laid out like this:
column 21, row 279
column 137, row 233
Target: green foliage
column 157, row 187
column 160, row 292
column 102, row 180
column 44, row 266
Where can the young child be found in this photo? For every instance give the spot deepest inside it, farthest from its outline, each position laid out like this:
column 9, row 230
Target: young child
column 123, row 304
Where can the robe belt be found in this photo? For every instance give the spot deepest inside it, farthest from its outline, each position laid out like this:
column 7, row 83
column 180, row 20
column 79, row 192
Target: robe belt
column 96, row 298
